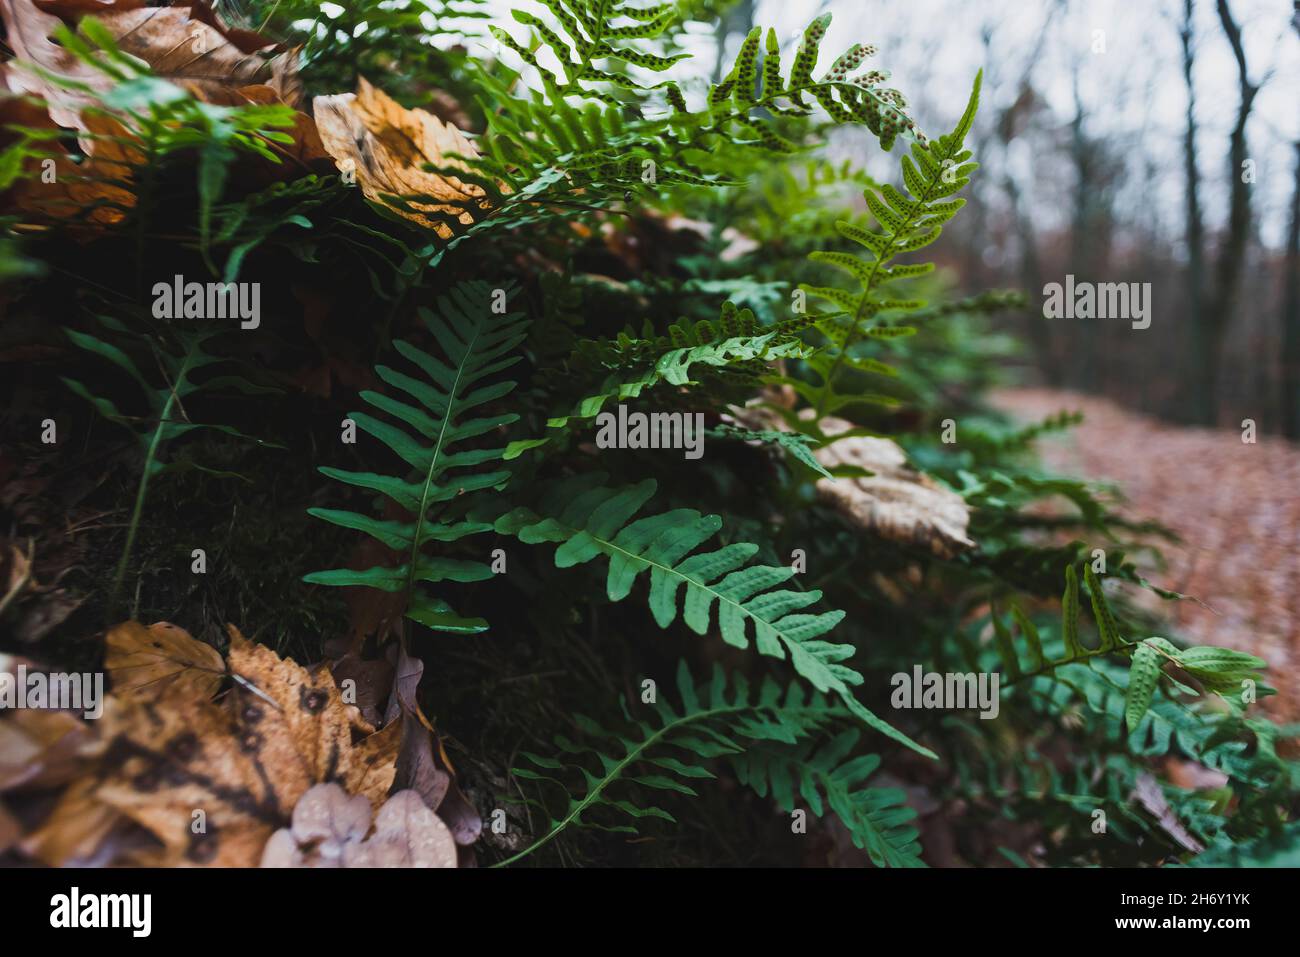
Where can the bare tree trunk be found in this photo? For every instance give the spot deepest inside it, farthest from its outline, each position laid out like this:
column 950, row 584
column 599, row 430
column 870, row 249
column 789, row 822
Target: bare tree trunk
column 1291, row 316
column 1202, row 409
column 1233, row 251
column 1085, row 365
column 1291, row 306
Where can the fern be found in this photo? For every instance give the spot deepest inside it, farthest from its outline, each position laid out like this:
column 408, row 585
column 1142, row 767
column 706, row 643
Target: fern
column 828, row 780
column 732, row 348
column 1215, row 739
column 146, row 119
column 846, row 98
column 798, row 445
column 590, row 520
column 1029, row 786
column 541, row 143
column 477, row 344
column 1277, row 848
column 907, row 223
column 670, row 753
column 674, row 368
column 167, row 418
column 1220, row 670
column 592, row 31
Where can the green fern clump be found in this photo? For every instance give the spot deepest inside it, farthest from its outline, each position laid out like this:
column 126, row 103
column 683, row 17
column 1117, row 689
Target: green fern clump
column 610, row 221
column 476, row 344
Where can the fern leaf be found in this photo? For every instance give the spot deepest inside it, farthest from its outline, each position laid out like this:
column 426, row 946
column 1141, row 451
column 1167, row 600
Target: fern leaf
column 672, row 750
column 167, row 419
column 846, row 98
column 878, row 819
column 1143, row 675
column 431, row 439
column 907, row 222
column 589, row 520
column 735, row 342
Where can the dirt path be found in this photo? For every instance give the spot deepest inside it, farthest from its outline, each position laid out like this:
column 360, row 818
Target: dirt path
column 1235, row 505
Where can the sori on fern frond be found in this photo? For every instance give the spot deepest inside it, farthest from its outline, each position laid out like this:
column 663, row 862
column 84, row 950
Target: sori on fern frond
column 846, row 98
column 1233, row 675
column 908, row 221
column 430, row 436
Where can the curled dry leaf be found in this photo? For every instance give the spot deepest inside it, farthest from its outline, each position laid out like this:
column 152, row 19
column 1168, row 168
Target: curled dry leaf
column 369, row 680
column 41, row 748
column 154, row 660
column 189, row 47
column 329, row 830
column 422, row 763
column 29, row 31
column 1151, row 796
column 896, row 502
column 194, row 50
column 386, row 147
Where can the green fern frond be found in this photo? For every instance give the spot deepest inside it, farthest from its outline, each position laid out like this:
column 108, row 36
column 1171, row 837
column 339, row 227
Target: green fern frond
column 591, row 31
column 167, row 418
column 670, row 751
column 1096, row 695
column 795, row 443
column 846, row 98
column 629, row 348
column 908, row 221
column 828, row 780
column 1276, row 848
column 674, row 368
column 589, row 520
column 477, row 344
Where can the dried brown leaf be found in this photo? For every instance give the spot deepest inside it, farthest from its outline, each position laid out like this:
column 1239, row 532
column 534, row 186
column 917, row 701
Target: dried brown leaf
column 386, row 146
column 152, row 660
column 244, row 762
column 896, row 502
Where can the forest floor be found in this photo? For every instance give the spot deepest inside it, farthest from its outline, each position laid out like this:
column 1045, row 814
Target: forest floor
column 1236, row 507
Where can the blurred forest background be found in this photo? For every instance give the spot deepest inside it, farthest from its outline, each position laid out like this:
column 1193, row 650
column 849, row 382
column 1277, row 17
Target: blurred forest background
column 1154, row 142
